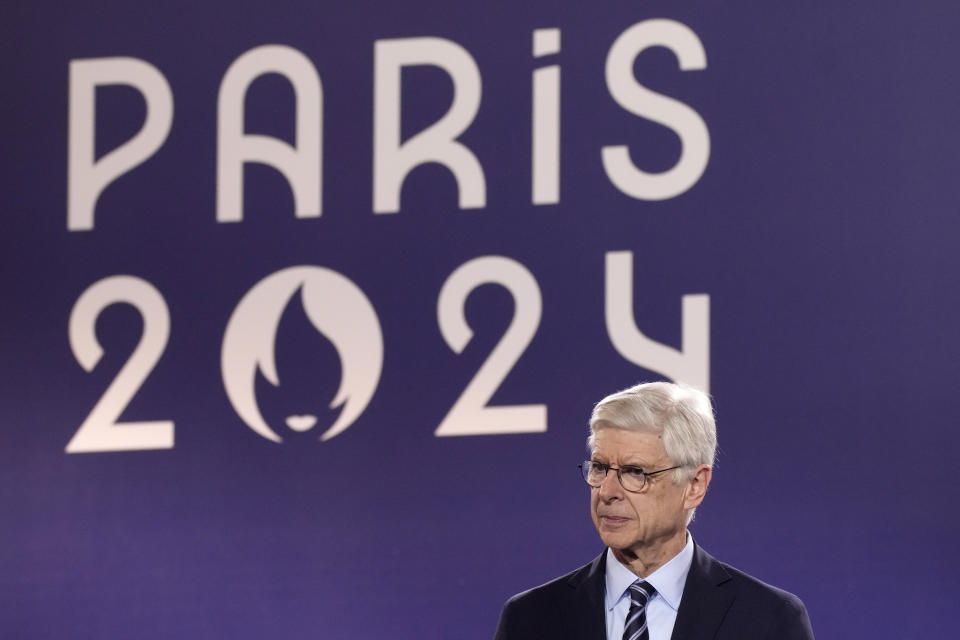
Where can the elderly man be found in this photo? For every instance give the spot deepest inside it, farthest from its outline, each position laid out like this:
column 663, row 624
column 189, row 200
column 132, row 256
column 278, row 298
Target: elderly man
column 651, row 460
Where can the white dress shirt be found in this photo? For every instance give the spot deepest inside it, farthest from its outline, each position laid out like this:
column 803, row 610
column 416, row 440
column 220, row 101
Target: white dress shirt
column 661, row 610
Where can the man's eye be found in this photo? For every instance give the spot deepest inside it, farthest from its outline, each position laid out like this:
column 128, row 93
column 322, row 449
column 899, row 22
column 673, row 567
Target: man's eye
column 598, row 467
column 635, row 472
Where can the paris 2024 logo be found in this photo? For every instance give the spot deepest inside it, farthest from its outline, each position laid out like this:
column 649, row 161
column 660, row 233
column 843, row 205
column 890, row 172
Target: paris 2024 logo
column 336, row 308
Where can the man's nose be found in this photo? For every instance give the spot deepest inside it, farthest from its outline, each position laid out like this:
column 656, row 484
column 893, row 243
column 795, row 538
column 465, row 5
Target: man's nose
column 610, row 487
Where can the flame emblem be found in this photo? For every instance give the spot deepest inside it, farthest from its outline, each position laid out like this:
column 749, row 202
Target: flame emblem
column 337, row 308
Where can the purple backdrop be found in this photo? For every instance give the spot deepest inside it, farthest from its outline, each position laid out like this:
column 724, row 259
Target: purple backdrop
column 822, row 232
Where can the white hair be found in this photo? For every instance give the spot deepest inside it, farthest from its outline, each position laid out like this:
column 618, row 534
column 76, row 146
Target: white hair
column 682, row 414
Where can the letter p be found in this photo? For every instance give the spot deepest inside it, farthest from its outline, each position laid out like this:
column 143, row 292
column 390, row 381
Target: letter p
column 87, row 177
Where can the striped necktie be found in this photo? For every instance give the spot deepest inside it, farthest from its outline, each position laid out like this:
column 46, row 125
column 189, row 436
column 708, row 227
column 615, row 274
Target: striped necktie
column 636, row 626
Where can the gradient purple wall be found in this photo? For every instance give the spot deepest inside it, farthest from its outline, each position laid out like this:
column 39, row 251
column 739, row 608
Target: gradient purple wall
column 823, row 230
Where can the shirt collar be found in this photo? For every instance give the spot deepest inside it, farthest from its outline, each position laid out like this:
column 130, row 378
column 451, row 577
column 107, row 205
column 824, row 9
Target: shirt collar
column 668, row 580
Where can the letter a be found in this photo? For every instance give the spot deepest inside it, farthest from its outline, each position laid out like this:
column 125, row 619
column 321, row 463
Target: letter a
column 301, row 165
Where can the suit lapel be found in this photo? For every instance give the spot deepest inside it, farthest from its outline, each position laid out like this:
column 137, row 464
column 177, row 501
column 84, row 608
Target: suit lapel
column 704, row 604
column 584, row 615
column 705, row 600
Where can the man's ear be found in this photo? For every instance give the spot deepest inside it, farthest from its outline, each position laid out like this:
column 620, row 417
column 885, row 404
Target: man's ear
column 697, row 486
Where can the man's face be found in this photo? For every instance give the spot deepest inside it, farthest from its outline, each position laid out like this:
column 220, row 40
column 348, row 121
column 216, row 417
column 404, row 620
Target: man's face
column 637, row 521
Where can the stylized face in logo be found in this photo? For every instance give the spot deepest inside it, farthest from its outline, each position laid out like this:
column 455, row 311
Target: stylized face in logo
column 337, row 308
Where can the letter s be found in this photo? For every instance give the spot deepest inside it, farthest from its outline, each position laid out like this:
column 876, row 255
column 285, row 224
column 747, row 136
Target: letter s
column 638, row 100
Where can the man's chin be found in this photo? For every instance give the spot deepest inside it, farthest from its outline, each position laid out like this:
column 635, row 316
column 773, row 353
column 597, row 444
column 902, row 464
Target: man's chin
column 616, row 540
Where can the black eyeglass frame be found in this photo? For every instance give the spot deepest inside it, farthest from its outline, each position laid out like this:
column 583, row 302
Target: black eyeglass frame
column 585, row 472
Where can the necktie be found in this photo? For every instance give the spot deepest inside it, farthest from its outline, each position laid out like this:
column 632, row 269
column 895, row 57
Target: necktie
column 636, row 626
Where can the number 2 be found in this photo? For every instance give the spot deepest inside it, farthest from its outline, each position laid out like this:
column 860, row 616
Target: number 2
column 101, row 431
column 470, row 414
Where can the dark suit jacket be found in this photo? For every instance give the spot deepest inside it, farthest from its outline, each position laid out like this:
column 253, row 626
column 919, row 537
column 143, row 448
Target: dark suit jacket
column 719, row 603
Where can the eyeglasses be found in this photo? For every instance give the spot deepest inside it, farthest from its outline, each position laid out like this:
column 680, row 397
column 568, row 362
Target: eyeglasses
column 633, row 479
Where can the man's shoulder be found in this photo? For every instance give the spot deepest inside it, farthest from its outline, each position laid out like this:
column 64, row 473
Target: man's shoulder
column 570, row 606
column 750, row 586
column 760, row 589
column 560, row 586
column 743, row 603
